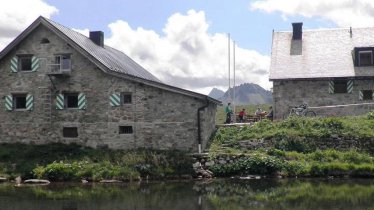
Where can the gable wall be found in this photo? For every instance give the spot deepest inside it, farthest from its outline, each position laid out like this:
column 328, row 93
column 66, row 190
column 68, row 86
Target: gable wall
column 161, row 119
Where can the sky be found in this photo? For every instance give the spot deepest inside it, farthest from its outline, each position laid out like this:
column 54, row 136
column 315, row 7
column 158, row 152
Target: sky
column 185, row 43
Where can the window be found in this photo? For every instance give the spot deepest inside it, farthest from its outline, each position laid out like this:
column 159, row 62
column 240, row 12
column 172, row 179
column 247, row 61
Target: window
column 125, row 130
column 126, row 98
column 340, row 86
column 367, row 95
column 70, row 132
column 365, row 58
column 19, row 101
column 25, row 63
column 63, row 62
column 71, row 100
column 44, row 41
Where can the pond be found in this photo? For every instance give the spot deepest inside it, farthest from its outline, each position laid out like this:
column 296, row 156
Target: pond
column 225, row 194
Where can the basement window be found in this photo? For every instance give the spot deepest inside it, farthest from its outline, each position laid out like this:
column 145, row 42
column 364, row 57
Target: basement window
column 71, row 100
column 367, row 95
column 340, row 86
column 125, row 130
column 19, row 101
column 70, row 132
column 24, row 62
column 365, row 58
column 126, row 98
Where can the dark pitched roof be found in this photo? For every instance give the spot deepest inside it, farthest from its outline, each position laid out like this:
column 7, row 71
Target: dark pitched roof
column 110, row 60
column 322, row 53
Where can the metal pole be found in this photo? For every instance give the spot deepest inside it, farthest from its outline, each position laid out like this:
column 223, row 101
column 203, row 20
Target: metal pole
column 229, row 95
column 234, row 80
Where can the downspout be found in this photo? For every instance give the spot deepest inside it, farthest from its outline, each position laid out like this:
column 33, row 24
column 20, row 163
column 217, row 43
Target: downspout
column 199, row 124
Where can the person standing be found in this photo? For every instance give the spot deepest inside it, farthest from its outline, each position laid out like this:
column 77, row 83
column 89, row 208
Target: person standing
column 241, row 115
column 228, row 111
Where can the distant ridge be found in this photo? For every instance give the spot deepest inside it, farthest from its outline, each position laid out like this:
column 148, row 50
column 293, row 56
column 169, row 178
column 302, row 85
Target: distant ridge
column 247, row 93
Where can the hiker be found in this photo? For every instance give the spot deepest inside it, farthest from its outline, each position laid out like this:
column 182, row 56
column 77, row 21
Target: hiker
column 228, row 111
column 269, row 116
column 241, row 115
column 260, row 114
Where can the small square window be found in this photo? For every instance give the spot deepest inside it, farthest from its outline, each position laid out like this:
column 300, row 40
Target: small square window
column 125, row 130
column 340, row 86
column 71, row 100
column 19, row 101
column 126, row 98
column 70, row 132
column 24, row 63
column 367, row 95
column 366, row 58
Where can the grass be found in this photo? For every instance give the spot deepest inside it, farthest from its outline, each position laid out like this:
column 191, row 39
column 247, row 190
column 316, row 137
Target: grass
column 60, row 162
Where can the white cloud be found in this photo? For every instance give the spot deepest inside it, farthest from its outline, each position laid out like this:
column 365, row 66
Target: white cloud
column 344, row 13
column 186, row 55
column 85, row 31
column 16, row 15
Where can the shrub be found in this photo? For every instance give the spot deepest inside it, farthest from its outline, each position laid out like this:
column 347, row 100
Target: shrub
column 294, row 168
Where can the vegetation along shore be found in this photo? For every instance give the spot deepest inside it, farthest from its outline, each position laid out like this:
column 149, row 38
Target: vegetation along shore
column 302, row 147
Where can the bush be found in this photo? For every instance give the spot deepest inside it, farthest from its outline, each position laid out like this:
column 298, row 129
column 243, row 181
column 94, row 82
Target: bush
column 294, row 168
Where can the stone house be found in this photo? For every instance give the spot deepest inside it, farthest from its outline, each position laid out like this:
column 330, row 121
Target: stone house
column 330, row 69
column 57, row 85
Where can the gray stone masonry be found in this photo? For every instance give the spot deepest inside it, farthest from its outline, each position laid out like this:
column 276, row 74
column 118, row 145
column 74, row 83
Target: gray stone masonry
column 288, row 93
column 161, row 119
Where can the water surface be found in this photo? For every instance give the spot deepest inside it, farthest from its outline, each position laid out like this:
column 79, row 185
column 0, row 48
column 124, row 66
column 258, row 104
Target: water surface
column 190, row 195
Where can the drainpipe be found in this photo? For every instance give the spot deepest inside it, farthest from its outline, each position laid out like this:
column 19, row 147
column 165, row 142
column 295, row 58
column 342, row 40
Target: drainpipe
column 199, row 124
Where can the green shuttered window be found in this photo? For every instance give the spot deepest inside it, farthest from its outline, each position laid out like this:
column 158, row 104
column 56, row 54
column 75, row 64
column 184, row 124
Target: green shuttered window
column 340, row 86
column 24, row 63
column 71, row 101
column 19, row 101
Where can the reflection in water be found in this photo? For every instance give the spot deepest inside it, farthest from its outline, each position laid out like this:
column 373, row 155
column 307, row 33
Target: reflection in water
column 214, row 194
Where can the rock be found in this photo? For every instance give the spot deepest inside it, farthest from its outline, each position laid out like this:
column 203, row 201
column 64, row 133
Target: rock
column 3, row 179
column 110, row 181
column 37, row 181
column 196, row 165
column 84, row 181
column 209, row 163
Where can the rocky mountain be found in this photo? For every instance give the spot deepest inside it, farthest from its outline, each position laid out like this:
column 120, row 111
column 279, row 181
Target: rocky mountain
column 216, row 93
column 247, row 93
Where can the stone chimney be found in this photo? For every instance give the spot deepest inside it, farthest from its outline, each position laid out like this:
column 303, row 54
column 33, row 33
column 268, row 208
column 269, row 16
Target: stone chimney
column 97, row 37
column 297, row 29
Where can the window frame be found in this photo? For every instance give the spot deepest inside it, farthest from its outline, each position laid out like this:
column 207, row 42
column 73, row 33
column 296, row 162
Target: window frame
column 365, row 52
column 59, row 62
column 16, row 97
column 125, row 130
column 368, row 93
column 74, row 133
column 21, row 58
column 126, row 102
column 345, row 86
column 66, row 100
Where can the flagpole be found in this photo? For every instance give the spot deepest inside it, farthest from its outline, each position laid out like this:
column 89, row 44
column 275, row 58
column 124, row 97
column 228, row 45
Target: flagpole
column 234, row 77
column 229, row 95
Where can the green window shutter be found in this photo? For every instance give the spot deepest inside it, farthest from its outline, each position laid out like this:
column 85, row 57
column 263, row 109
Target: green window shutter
column 60, row 101
column 361, row 95
column 115, row 99
column 331, row 87
column 29, row 102
column 82, row 101
column 34, row 63
column 350, row 86
column 14, row 64
column 9, row 102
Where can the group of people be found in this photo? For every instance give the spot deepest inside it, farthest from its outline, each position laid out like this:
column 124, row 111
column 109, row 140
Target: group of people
column 259, row 114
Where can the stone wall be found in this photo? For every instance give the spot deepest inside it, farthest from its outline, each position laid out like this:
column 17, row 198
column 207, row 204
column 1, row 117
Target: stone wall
column 315, row 93
column 161, row 119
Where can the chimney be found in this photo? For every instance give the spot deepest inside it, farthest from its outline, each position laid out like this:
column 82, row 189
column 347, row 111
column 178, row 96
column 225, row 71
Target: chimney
column 297, row 29
column 97, row 37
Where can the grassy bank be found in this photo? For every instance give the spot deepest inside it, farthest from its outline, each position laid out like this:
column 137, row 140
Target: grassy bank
column 59, row 162
column 294, row 152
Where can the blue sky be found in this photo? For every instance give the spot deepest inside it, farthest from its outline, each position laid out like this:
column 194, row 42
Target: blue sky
column 250, row 29
column 184, row 43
